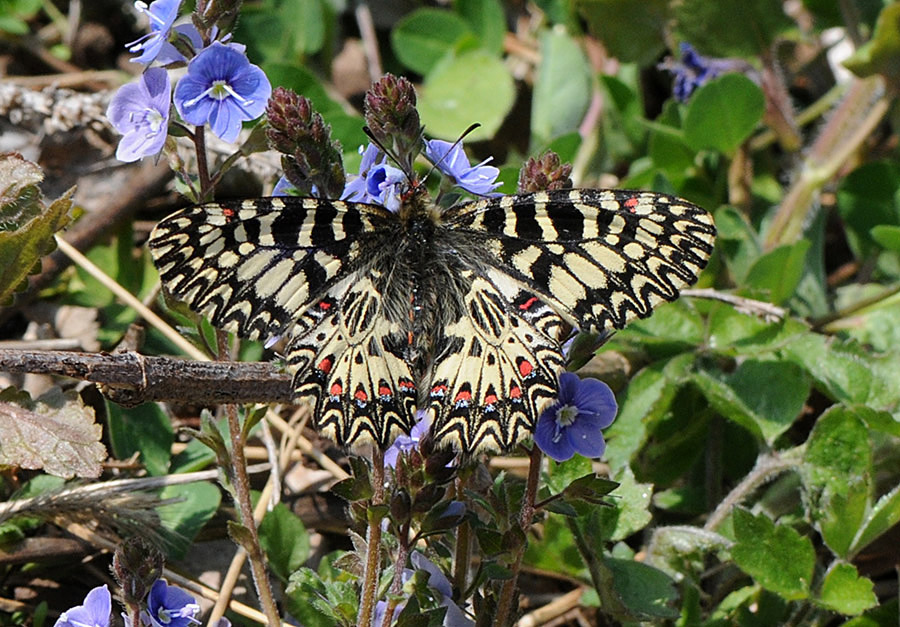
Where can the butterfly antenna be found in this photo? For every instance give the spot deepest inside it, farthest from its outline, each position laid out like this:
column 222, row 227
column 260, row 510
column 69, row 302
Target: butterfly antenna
column 454, row 145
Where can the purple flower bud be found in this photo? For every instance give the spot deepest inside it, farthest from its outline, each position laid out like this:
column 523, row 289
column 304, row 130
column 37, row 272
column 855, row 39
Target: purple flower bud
column 545, row 173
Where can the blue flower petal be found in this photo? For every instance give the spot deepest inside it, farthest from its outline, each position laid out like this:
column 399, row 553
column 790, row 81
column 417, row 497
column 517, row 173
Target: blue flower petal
column 585, row 439
column 594, row 398
column 546, row 431
column 95, row 611
column 568, row 387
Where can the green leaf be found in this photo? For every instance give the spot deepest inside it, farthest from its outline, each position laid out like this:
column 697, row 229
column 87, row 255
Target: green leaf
column 764, row 397
column 776, row 556
column 562, row 88
column 197, row 504
column 27, row 227
column 144, row 429
column 281, row 30
column 631, row 511
column 471, row 87
column 842, row 371
column 631, row 30
column 887, row 236
column 555, row 549
column 305, row 599
column 283, row 537
column 646, row 592
column 728, row 28
column 560, row 475
column 844, row 591
column 779, row 272
column 723, row 113
column 837, row 471
column 881, row 54
column 645, row 400
column 883, row 516
column 487, row 21
column 426, row 36
column 56, row 433
column 867, row 198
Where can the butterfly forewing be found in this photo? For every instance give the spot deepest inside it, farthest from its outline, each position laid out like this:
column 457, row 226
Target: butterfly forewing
column 600, row 258
column 253, row 266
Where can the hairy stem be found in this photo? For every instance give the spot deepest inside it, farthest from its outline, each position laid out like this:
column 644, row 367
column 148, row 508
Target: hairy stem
column 241, row 482
column 507, row 592
column 373, row 545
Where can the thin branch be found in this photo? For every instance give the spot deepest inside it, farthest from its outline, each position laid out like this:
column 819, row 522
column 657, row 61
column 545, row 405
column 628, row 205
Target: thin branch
column 135, row 378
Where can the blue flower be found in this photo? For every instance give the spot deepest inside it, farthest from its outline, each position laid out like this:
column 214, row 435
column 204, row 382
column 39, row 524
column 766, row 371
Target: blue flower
column 168, row 606
column 452, row 161
column 94, row 612
column 189, row 32
column 407, row 443
column 140, row 112
column 572, row 424
column 162, row 14
column 377, row 182
column 693, row 70
column 222, row 88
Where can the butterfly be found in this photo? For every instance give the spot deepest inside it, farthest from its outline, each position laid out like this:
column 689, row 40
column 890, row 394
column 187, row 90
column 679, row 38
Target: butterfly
column 458, row 311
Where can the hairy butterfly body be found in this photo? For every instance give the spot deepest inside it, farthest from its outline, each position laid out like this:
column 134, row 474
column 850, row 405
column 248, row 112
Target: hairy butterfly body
column 458, row 311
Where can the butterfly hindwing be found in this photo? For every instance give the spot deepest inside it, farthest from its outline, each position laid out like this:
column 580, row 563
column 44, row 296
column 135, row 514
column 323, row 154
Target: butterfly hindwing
column 600, row 258
column 348, row 362
column 495, row 367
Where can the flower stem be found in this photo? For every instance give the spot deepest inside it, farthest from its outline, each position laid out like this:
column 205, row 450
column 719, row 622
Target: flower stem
column 507, row 592
column 373, row 545
column 206, row 187
column 241, row 482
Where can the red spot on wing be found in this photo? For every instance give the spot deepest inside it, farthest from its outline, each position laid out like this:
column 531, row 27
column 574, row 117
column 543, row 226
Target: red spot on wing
column 528, row 303
column 525, row 367
column 361, row 395
column 490, row 399
column 439, row 390
column 336, row 389
column 463, row 395
column 631, row 203
column 515, row 391
column 325, row 365
column 324, row 305
column 406, row 385
column 384, row 390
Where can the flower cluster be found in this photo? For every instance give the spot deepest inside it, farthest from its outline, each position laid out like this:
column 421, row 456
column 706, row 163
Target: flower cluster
column 167, row 606
column 221, row 88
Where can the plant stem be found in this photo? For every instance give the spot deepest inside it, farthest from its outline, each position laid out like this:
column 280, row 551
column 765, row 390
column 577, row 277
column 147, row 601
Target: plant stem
column 463, row 548
column 767, row 467
column 206, row 187
column 504, row 605
column 241, row 482
column 373, row 545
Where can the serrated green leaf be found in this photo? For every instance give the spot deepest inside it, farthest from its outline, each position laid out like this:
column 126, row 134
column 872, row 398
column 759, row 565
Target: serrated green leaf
column 630, row 512
column 145, row 429
column 631, row 30
column 562, row 88
column 283, row 537
column 844, row 591
column 56, row 433
column 727, row 28
column 426, row 36
column 723, row 113
column 27, row 227
column 837, row 472
column 776, row 556
column 304, row 599
column 473, row 86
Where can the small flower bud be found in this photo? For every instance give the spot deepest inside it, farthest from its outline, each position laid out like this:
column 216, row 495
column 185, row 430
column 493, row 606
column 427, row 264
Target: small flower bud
column 390, row 112
column 309, row 156
column 136, row 565
column 544, row 174
column 400, row 506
